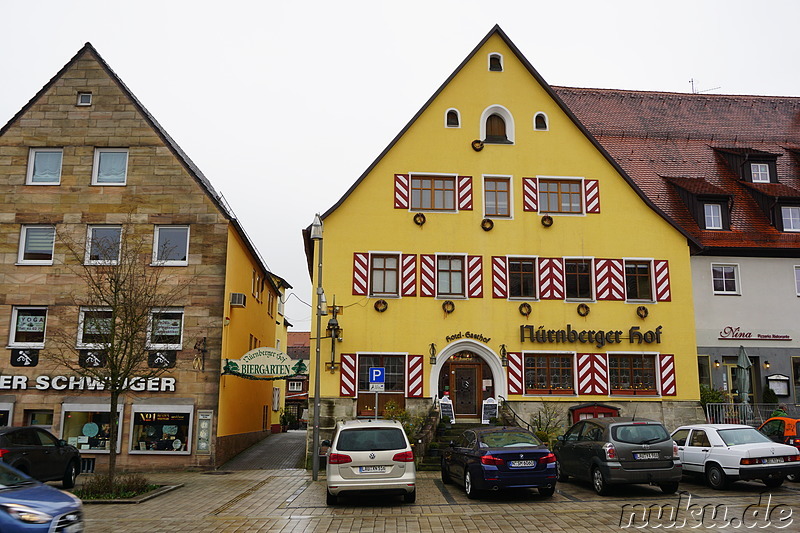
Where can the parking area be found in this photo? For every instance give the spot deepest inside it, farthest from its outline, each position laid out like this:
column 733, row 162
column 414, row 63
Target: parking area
column 288, row 500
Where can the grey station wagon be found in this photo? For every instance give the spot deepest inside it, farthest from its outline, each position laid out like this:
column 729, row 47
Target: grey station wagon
column 611, row 451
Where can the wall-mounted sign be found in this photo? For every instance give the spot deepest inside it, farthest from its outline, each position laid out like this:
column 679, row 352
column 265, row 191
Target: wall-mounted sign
column 24, row 357
column 467, row 335
column 597, row 337
column 265, row 362
column 10, row 382
column 736, row 333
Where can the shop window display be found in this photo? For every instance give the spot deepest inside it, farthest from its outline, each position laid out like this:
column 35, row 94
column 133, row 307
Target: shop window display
column 88, row 430
column 162, row 432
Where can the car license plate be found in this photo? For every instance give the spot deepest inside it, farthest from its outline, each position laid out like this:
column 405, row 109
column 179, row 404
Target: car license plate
column 372, row 469
column 522, row 464
column 645, row 455
column 774, row 460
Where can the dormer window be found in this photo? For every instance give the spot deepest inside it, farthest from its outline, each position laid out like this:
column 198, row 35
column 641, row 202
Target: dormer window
column 713, row 215
column 495, row 63
column 452, row 120
column 790, row 217
column 540, row 122
column 759, row 172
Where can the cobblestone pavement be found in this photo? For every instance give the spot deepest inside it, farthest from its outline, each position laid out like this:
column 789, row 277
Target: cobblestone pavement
column 289, row 501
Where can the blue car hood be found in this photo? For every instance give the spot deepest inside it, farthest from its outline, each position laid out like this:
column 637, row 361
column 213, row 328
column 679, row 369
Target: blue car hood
column 42, row 497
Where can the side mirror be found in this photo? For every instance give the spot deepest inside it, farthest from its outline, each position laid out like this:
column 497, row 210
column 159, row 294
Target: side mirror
column 62, row 443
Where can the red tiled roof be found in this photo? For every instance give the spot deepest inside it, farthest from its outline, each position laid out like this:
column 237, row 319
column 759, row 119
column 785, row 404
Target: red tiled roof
column 663, row 138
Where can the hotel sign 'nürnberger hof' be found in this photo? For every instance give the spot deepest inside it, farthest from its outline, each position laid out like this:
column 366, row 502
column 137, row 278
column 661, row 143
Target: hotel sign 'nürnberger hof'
column 599, row 338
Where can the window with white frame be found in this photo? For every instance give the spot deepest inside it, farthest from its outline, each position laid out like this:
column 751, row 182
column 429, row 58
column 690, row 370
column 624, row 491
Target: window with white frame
column 759, row 172
column 44, row 166
column 578, row 279
column 171, row 246
column 87, row 426
column 110, row 166
column 36, row 244
column 28, row 325
column 791, row 218
column 161, row 429
column 638, row 280
column 165, row 331
column 540, row 122
column 435, row 193
column 450, row 276
column 797, row 280
column 497, row 196
column 295, row 386
column 452, row 119
column 725, row 279
column 384, row 274
column 495, row 63
column 94, row 326
column 103, row 245
column 521, row 277
column 713, row 216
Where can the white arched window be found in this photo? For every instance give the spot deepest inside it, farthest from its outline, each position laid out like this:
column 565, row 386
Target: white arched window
column 452, row 119
column 495, row 63
column 497, row 125
column 540, row 122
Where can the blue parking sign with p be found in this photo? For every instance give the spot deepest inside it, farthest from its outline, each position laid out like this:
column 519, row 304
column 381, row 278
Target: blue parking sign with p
column 377, row 374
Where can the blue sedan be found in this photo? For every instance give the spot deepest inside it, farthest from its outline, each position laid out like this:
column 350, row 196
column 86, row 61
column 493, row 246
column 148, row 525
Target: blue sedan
column 27, row 505
column 493, row 458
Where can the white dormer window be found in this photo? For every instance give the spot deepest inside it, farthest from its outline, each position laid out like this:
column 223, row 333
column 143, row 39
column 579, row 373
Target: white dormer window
column 759, row 172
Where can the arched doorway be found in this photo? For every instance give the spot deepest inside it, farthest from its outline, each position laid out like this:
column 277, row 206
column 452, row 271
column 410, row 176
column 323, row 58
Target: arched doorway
column 469, row 373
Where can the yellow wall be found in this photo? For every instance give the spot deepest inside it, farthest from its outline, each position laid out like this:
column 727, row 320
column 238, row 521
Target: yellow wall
column 625, row 228
column 242, row 402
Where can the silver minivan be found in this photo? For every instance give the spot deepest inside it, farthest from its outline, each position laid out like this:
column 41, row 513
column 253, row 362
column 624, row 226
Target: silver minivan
column 370, row 456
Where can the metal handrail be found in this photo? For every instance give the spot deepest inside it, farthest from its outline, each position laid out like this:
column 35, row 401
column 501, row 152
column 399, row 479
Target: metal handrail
column 516, row 416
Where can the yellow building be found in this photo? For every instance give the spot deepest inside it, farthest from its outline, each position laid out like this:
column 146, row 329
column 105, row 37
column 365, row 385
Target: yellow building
column 495, row 250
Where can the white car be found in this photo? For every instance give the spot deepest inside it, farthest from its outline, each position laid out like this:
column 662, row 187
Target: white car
column 724, row 453
column 370, row 456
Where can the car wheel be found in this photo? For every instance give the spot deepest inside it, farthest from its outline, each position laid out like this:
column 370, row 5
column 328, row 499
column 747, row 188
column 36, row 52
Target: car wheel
column 70, row 476
column 561, row 476
column 599, row 482
column 715, row 477
column 469, row 487
column 669, row 488
column 410, row 497
column 331, row 499
column 546, row 492
column 446, row 479
column 773, row 482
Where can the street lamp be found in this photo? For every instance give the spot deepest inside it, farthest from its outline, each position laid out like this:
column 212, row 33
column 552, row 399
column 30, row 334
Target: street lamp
column 316, row 235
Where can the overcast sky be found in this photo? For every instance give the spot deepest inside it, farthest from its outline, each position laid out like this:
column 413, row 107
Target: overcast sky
column 283, row 105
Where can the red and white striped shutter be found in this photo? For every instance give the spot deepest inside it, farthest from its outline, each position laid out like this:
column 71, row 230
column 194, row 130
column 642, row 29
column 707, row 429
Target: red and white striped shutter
column 515, row 373
column 402, row 186
column 408, row 275
column 475, row 276
column 427, row 275
column 360, row 273
column 592, row 196
column 663, row 293
column 666, row 372
column 414, row 376
column 348, row 377
column 592, row 373
column 499, row 277
column 551, row 278
column 530, row 194
column 465, row 193
column 610, row 279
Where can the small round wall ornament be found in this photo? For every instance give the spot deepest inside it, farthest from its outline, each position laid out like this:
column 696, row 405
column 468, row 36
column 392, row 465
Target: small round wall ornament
column 381, row 306
column 583, row 309
column 477, row 145
column 642, row 311
column 547, row 221
column 525, row 309
column 419, row 219
column 448, row 307
column 487, row 224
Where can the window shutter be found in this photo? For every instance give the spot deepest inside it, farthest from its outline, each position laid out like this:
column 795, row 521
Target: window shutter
column 427, row 275
column 551, row 278
column 499, row 277
column 402, row 185
column 610, row 279
column 530, row 194
column 515, row 373
column 666, row 371
column 414, row 376
column 592, row 196
column 408, row 275
column 663, row 293
column 360, row 273
column 592, row 373
column 465, row 193
column 348, row 377
column 475, row 276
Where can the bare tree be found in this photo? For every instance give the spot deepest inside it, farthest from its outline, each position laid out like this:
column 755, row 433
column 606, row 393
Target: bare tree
column 125, row 303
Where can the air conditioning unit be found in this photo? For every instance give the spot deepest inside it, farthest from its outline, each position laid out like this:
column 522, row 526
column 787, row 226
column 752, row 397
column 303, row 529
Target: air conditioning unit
column 238, row 299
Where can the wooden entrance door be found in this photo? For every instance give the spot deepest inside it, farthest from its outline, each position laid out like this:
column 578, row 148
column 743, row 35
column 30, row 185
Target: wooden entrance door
column 465, row 389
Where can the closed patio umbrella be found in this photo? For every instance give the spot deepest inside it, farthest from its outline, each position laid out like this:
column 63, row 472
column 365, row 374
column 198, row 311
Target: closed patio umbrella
column 743, row 376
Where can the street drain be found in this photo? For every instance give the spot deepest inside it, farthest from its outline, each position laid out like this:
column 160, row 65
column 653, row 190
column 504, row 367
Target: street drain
column 240, row 497
column 217, row 473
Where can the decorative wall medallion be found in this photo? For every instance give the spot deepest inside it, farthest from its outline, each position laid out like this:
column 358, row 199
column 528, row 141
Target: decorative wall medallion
column 642, row 311
column 525, row 309
column 381, row 306
column 487, row 224
column 477, row 145
column 419, row 219
column 547, row 221
column 583, row 309
column 448, row 307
